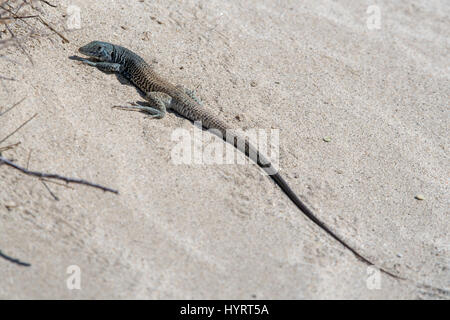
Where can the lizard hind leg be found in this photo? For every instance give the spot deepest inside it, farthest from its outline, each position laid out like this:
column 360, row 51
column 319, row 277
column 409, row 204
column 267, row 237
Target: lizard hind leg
column 158, row 103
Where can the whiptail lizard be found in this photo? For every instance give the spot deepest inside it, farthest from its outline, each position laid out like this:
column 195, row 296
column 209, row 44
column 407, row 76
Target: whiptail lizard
column 162, row 95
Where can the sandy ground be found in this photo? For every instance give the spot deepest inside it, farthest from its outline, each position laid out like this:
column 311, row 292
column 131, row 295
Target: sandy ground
column 312, row 69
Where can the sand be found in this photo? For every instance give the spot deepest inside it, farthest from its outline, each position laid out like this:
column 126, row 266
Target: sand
column 313, row 70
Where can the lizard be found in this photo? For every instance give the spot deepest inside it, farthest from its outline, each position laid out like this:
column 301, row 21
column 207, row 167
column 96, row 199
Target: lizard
column 163, row 95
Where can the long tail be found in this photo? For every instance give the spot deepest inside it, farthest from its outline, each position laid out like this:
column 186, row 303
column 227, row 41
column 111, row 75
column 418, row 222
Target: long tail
column 251, row 152
column 307, row 212
column 194, row 112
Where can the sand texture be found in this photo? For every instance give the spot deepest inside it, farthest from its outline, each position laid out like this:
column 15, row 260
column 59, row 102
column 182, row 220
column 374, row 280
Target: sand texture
column 312, row 69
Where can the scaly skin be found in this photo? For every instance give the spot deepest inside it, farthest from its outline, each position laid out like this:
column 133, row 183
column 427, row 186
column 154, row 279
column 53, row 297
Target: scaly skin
column 163, row 95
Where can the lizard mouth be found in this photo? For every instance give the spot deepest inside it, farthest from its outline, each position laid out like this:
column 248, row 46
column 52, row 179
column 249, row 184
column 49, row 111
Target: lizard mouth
column 93, row 59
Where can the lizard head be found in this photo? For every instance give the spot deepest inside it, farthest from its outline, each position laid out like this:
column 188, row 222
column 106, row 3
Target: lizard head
column 98, row 49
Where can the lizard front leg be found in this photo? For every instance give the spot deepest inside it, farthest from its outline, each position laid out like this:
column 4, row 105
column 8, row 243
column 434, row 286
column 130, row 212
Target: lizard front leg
column 104, row 66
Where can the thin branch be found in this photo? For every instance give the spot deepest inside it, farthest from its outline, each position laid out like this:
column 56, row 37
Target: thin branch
column 7, row 19
column 54, row 176
column 14, row 14
column 21, row 5
column 65, row 40
column 41, row 179
column 20, row 127
column 49, row 4
column 49, row 191
column 14, row 105
column 58, row 183
column 11, row 146
column 13, row 260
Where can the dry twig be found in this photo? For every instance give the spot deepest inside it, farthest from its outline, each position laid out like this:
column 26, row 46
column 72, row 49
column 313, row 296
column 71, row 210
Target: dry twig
column 13, row 260
column 20, row 127
column 13, row 106
column 11, row 146
column 54, row 176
